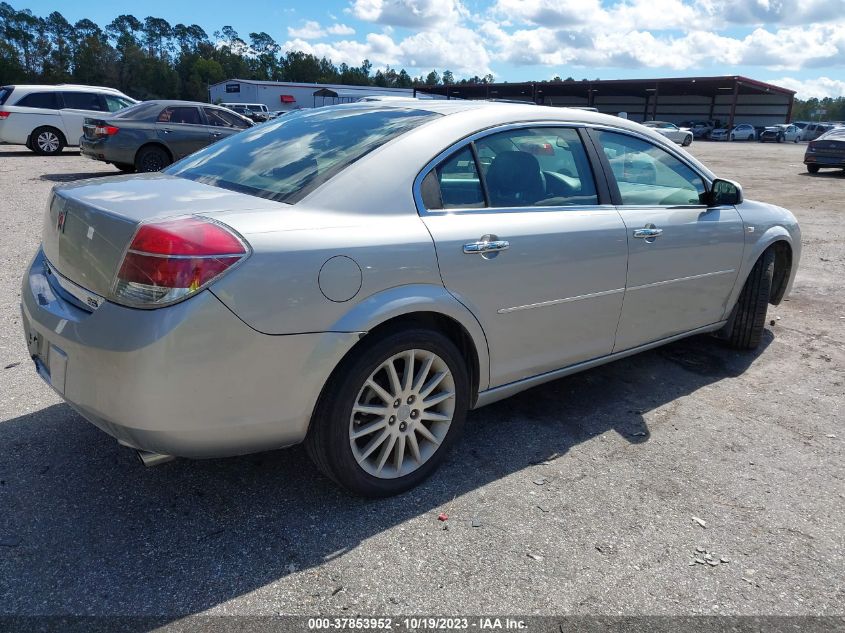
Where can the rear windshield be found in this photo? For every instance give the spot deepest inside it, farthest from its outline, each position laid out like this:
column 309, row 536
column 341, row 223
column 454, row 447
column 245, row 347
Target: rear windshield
column 5, row 91
column 287, row 159
column 139, row 112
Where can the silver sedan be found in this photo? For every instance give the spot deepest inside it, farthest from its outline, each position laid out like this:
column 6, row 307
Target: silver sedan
column 680, row 135
column 357, row 277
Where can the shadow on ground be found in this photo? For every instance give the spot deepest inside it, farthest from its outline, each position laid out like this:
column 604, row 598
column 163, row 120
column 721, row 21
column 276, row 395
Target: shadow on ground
column 86, row 530
column 73, row 177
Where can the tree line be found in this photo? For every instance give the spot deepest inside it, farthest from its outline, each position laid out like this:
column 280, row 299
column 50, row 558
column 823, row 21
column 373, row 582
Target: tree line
column 150, row 58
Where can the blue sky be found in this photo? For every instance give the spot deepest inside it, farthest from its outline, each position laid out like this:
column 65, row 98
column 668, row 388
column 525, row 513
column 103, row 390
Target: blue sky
column 796, row 43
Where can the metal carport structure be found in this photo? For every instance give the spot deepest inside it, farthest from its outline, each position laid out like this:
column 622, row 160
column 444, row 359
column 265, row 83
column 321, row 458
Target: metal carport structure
column 727, row 100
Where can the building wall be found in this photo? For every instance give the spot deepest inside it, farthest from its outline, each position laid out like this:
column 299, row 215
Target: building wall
column 270, row 94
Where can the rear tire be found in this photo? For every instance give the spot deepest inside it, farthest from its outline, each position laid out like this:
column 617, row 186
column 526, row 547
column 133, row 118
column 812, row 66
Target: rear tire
column 813, row 169
column 362, row 462
column 47, row 141
column 744, row 328
column 151, row 158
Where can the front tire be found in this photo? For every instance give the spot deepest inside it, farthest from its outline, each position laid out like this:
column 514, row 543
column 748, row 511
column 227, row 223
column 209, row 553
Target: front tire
column 813, row 169
column 744, row 328
column 47, row 141
column 687, row 141
column 390, row 413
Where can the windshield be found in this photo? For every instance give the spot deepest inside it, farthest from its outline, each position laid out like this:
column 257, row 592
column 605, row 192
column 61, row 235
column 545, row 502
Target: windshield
column 287, row 159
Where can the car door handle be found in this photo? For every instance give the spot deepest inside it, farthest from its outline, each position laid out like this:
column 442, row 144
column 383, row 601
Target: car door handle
column 217, row 133
column 648, row 233
column 166, row 131
column 486, row 246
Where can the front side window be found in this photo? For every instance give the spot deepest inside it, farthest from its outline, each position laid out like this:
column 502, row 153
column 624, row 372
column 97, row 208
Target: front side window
column 648, row 175
column 46, row 100
column 83, row 101
column 113, row 104
column 180, row 114
column 288, row 158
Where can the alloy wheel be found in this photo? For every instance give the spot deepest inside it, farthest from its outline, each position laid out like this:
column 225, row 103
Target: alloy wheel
column 402, row 414
column 48, row 142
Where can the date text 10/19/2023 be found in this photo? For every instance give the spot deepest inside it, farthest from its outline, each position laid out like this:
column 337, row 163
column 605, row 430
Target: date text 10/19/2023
column 417, row 623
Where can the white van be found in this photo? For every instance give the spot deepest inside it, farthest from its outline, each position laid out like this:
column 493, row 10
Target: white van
column 47, row 118
column 258, row 112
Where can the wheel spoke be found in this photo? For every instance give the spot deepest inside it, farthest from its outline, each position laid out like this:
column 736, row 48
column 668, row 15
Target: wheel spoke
column 370, row 408
column 431, row 385
column 422, row 429
column 414, row 446
column 421, row 375
column 367, row 429
column 409, row 370
column 374, row 444
column 399, row 453
column 435, row 417
column 395, row 384
column 386, row 452
column 440, row 397
column 380, row 391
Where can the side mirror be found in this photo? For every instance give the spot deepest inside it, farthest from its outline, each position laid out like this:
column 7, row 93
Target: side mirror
column 724, row 192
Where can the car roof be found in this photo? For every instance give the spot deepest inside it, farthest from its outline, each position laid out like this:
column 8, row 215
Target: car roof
column 62, row 87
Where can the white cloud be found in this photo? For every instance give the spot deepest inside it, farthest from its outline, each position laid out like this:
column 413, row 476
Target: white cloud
column 416, row 14
column 340, row 29
column 819, row 87
column 698, row 36
column 310, row 30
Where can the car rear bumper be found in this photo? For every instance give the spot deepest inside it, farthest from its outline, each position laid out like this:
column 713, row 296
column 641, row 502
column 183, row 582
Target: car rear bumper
column 95, row 150
column 824, row 161
column 190, row 379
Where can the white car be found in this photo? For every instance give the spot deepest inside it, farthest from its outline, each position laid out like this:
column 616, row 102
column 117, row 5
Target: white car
column 681, row 135
column 47, row 118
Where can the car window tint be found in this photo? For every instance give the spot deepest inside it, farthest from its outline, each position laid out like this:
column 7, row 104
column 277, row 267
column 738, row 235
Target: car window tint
column 48, row 100
column 113, row 104
column 5, row 93
column 288, row 158
column 649, row 175
column 180, row 114
column 83, row 101
column 542, row 166
column 456, row 183
column 221, row 118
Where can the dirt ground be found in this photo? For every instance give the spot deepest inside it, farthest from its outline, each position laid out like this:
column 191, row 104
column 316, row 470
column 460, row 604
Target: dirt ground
column 577, row 497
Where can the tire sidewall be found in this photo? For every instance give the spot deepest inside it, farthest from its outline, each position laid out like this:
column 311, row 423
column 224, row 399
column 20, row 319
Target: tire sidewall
column 343, row 389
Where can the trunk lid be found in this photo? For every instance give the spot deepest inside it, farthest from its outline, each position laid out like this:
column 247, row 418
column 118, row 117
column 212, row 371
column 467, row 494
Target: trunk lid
column 89, row 224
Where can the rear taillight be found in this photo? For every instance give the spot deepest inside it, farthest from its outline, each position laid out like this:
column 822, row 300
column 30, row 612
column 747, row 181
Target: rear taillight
column 4, row 115
column 106, row 130
column 171, row 260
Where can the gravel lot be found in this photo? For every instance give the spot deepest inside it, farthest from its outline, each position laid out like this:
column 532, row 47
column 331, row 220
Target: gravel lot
column 577, row 497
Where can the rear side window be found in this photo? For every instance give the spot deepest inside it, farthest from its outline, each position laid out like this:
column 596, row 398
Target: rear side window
column 454, row 183
column 83, row 101
column 288, row 158
column 530, row 167
column 46, row 100
column 5, row 93
column 180, row 114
